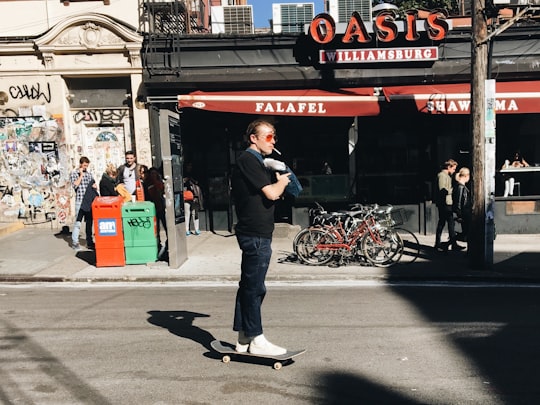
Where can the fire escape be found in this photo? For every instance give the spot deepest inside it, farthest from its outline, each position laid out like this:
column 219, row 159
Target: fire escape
column 163, row 23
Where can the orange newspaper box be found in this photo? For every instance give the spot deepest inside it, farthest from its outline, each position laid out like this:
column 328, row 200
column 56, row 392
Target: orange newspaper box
column 107, row 214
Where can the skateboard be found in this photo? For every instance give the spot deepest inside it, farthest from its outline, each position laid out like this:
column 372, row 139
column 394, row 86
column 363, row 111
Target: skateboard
column 227, row 351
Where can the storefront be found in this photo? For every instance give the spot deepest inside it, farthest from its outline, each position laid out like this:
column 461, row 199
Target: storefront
column 383, row 126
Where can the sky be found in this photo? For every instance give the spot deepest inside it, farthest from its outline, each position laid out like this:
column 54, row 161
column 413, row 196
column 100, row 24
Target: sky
column 262, row 9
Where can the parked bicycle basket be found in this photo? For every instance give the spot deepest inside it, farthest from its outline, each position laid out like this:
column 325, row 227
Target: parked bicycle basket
column 399, row 216
column 396, row 217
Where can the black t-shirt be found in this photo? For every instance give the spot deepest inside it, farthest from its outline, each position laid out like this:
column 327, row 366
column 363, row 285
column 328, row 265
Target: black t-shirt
column 254, row 211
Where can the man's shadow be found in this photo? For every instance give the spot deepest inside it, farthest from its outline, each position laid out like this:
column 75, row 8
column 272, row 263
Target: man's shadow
column 89, row 256
column 64, row 234
column 180, row 323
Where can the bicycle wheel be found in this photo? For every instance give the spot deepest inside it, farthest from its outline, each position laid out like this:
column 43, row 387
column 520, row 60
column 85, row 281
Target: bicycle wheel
column 380, row 246
column 306, row 242
column 300, row 236
column 411, row 246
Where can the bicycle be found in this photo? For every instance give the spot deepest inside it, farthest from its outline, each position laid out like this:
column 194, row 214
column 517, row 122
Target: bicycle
column 349, row 234
column 305, row 241
column 364, row 231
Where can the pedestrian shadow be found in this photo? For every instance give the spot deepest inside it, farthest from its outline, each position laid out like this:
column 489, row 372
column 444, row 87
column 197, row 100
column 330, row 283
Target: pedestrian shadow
column 180, row 323
column 89, row 256
column 418, row 253
column 64, row 234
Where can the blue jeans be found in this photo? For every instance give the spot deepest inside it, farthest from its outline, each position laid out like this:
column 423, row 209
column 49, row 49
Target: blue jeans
column 77, row 226
column 256, row 254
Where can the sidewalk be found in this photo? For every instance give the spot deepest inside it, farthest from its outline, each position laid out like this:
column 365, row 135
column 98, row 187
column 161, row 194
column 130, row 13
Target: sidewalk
column 34, row 254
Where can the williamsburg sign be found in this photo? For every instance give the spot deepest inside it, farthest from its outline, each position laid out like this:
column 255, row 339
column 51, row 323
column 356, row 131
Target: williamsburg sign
column 384, row 29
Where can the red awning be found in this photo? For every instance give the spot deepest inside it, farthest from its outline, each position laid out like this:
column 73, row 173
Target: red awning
column 311, row 103
column 511, row 97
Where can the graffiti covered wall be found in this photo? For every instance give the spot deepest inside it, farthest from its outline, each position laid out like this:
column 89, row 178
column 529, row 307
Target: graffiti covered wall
column 43, row 133
column 102, row 136
column 36, row 161
column 34, row 170
column 34, row 156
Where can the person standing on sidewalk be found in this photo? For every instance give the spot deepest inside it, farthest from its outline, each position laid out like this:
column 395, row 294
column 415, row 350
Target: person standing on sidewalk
column 129, row 173
column 108, row 181
column 445, row 207
column 255, row 190
column 81, row 179
column 463, row 203
column 85, row 211
column 193, row 205
column 155, row 192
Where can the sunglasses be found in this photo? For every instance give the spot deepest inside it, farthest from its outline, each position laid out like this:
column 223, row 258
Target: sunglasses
column 269, row 137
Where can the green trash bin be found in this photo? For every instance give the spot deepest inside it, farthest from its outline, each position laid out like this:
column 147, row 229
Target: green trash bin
column 140, row 232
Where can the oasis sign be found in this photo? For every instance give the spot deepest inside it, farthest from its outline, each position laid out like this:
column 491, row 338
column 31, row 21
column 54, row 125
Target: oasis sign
column 385, row 28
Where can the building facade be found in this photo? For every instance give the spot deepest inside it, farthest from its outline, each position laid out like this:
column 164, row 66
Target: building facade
column 384, row 104
column 69, row 76
column 96, row 78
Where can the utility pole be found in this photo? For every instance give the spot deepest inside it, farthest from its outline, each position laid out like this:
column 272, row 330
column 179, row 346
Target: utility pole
column 483, row 103
column 481, row 238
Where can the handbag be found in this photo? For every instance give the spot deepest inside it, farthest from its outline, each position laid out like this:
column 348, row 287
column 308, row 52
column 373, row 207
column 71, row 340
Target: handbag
column 188, row 195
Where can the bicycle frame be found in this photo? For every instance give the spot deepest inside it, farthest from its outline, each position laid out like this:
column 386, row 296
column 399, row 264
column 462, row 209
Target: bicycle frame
column 349, row 240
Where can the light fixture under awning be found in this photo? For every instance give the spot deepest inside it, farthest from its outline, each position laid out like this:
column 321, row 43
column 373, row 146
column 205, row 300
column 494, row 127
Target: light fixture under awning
column 348, row 102
column 511, row 97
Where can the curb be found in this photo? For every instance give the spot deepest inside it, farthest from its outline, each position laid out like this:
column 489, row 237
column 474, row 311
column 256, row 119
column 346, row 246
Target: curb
column 6, row 229
column 227, row 280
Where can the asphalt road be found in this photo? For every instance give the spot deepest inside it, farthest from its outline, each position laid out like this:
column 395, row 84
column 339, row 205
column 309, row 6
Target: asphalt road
column 406, row 344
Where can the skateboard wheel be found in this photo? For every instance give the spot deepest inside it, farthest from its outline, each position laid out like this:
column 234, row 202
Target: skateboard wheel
column 277, row 365
column 226, row 359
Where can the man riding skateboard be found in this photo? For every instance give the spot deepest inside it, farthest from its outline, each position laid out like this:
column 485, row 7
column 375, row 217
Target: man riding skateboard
column 255, row 190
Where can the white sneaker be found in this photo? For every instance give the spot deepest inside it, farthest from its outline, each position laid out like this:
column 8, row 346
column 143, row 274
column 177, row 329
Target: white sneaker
column 260, row 345
column 242, row 344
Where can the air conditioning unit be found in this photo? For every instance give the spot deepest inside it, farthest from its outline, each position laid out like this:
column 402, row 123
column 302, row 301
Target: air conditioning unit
column 291, row 17
column 232, row 19
column 516, row 3
column 341, row 10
